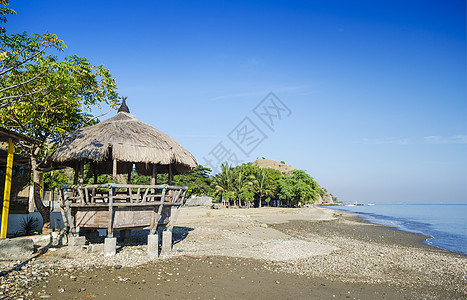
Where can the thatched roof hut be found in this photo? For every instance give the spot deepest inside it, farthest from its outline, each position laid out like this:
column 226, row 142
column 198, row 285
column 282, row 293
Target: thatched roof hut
column 120, row 142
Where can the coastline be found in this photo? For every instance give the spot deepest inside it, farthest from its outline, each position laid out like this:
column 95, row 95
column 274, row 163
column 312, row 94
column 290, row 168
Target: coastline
column 269, row 253
column 443, row 224
column 408, row 238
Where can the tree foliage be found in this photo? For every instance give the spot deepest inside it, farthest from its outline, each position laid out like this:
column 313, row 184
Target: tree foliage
column 4, row 11
column 44, row 97
column 263, row 183
column 224, row 182
column 298, row 187
column 197, row 181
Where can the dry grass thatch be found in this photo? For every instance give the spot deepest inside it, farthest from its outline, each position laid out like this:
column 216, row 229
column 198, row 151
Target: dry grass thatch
column 127, row 139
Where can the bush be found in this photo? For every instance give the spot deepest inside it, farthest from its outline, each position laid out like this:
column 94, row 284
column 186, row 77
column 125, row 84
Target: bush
column 29, row 226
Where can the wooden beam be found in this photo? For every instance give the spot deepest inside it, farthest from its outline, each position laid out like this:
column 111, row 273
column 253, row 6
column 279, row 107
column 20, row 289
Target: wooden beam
column 170, row 174
column 75, row 180
column 154, row 175
column 81, row 172
column 129, row 174
column 95, row 173
column 114, row 171
column 7, row 191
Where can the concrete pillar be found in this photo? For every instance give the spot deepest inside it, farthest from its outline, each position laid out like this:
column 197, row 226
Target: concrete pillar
column 110, row 247
column 76, row 243
column 153, row 246
column 166, row 240
column 55, row 238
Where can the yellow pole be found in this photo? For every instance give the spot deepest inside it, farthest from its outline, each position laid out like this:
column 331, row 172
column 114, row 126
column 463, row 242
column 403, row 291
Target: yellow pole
column 41, row 184
column 6, row 194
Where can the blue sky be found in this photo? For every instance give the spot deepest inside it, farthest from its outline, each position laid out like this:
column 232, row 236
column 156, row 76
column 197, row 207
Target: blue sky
column 376, row 89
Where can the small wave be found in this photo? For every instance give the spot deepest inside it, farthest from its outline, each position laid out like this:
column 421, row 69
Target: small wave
column 437, row 238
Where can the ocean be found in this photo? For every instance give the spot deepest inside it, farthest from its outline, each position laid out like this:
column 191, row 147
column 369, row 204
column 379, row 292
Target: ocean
column 446, row 224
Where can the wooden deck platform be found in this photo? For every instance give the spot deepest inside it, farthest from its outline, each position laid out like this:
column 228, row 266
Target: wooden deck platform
column 120, row 206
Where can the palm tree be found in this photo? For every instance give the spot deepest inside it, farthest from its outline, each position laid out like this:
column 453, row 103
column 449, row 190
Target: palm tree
column 262, row 184
column 224, row 181
column 241, row 183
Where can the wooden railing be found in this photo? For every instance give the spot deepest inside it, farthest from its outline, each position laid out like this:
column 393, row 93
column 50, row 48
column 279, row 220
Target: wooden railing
column 102, row 194
column 111, row 197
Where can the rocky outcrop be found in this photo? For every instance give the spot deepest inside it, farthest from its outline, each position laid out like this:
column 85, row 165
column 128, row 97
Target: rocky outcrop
column 272, row 164
column 325, row 199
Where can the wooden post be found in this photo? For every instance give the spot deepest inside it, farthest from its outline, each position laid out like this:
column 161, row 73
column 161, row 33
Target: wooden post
column 64, row 206
column 114, row 171
column 75, row 179
column 170, row 174
column 81, row 172
column 129, row 174
column 110, row 229
column 173, row 219
column 95, row 177
column 154, row 175
column 7, row 191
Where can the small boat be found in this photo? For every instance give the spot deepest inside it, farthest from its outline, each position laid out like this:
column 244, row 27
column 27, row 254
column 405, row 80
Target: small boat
column 371, row 204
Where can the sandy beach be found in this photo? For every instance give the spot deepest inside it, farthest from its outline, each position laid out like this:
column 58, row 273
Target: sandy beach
column 268, row 253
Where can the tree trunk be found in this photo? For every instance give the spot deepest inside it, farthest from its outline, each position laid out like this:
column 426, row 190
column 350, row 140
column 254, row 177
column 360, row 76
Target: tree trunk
column 43, row 210
column 259, row 204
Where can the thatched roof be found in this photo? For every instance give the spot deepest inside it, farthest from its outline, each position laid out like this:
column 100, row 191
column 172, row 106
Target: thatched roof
column 126, row 139
column 7, row 133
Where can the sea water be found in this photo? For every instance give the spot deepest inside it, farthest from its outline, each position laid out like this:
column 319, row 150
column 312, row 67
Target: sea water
column 446, row 224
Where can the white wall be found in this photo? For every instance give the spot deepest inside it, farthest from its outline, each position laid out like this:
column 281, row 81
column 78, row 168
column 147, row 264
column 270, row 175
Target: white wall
column 15, row 220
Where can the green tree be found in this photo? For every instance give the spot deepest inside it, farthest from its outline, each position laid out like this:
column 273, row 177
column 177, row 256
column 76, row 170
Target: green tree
column 4, row 11
column 197, row 181
column 224, row 182
column 263, row 184
column 26, row 68
column 55, row 179
column 298, row 187
column 240, row 184
column 247, row 196
column 45, row 98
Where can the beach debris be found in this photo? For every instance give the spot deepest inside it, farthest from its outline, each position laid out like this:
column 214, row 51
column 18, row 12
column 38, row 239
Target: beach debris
column 123, row 278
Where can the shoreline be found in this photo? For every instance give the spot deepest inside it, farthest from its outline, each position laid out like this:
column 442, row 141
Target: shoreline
column 427, row 237
column 291, row 253
column 415, row 239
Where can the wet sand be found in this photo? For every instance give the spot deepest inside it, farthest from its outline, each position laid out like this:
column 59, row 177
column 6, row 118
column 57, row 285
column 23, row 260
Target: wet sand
column 368, row 262
column 214, row 277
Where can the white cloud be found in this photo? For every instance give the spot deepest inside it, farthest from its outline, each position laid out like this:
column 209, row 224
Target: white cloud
column 454, row 139
column 387, row 141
